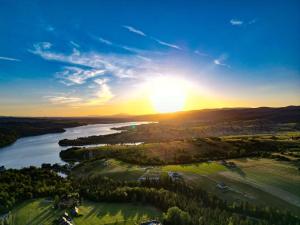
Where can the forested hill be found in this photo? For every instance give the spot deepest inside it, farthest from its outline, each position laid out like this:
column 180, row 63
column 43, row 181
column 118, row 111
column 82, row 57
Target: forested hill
column 12, row 128
column 289, row 114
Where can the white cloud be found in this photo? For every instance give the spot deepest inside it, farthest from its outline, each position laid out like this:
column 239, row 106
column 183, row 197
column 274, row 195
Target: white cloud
column 221, row 61
column 200, row 53
column 75, row 44
column 74, row 75
column 167, row 44
column 102, row 95
column 134, row 30
column 49, row 28
column 119, row 65
column 236, row 22
column 105, row 41
column 252, row 21
column 9, row 59
column 63, row 99
column 127, row 48
column 88, row 67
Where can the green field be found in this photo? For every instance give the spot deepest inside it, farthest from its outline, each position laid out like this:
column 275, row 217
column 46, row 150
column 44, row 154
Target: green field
column 280, row 179
column 196, row 168
column 124, row 171
column 41, row 212
column 110, row 168
column 259, row 181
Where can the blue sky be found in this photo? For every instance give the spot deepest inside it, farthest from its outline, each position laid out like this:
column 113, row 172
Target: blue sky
column 95, row 54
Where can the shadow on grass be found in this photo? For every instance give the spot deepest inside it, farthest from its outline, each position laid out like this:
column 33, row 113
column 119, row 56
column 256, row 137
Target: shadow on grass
column 119, row 212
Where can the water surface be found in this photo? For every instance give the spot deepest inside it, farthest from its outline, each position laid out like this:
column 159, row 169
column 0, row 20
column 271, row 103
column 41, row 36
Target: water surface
column 36, row 150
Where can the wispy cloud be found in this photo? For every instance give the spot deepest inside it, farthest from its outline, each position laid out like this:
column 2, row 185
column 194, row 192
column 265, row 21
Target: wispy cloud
column 74, row 75
column 92, row 69
column 200, row 53
column 139, row 32
column 252, row 21
column 124, row 47
column 9, row 59
column 63, row 99
column 134, row 30
column 101, row 94
column 49, row 28
column 104, row 41
column 166, row 44
column 74, row 44
column 236, row 22
column 221, row 61
column 119, row 65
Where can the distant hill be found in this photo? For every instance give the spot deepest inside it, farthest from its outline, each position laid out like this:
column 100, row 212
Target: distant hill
column 289, row 114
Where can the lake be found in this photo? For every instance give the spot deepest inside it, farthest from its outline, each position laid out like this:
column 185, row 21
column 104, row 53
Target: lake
column 36, row 150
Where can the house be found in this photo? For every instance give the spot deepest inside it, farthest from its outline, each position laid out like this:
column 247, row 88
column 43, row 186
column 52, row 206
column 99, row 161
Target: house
column 222, row 186
column 231, row 165
column 2, row 168
column 68, row 201
column 65, row 219
column 174, row 176
column 152, row 222
column 223, row 162
column 150, row 178
column 75, row 211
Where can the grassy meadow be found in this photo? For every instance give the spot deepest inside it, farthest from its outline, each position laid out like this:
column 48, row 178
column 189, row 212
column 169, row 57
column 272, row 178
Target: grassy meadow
column 260, row 181
column 41, row 211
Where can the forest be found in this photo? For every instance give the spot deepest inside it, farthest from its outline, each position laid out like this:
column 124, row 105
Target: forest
column 182, row 204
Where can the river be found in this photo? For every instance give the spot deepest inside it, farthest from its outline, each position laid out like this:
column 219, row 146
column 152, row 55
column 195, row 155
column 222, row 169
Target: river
column 36, row 150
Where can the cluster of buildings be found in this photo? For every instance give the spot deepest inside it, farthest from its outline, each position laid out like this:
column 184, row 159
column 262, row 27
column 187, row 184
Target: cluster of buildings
column 65, row 219
column 152, row 222
column 230, row 165
column 174, row 176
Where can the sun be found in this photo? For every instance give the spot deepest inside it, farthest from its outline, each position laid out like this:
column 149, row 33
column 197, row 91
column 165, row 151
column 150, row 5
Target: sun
column 167, row 94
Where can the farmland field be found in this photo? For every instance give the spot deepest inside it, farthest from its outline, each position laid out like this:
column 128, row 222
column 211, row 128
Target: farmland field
column 40, row 211
column 196, row 168
column 260, row 181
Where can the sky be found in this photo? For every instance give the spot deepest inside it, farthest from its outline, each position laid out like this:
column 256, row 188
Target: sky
column 85, row 58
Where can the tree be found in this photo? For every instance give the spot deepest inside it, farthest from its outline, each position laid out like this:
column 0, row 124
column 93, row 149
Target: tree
column 176, row 216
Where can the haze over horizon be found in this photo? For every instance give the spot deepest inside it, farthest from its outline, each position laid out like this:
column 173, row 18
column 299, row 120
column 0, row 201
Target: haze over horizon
column 139, row 57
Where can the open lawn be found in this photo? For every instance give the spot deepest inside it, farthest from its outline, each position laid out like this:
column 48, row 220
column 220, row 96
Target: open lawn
column 260, row 181
column 41, row 212
column 280, row 179
column 196, row 168
column 110, row 168
column 124, row 171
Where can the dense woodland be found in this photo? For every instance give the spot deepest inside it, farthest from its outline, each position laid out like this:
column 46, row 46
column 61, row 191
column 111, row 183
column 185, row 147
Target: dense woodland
column 27, row 183
column 186, row 151
column 12, row 128
column 182, row 204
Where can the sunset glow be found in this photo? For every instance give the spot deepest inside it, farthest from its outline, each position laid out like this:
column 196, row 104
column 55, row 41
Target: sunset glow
column 168, row 95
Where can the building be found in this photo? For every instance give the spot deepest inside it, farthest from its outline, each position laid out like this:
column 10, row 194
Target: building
column 75, row 211
column 152, row 222
column 150, row 178
column 174, row 175
column 2, row 168
column 65, row 219
column 222, row 186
